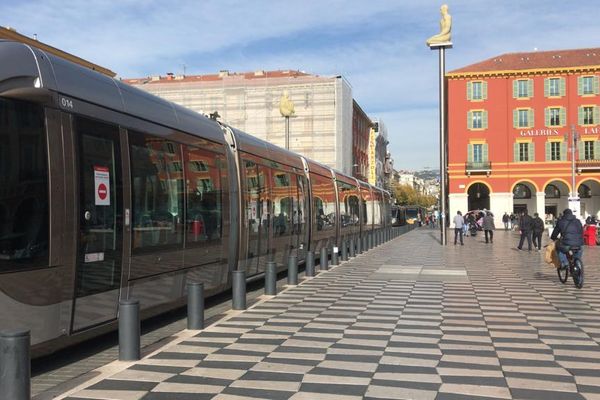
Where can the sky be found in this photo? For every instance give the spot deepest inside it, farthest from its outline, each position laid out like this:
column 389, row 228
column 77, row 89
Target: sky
column 377, row 45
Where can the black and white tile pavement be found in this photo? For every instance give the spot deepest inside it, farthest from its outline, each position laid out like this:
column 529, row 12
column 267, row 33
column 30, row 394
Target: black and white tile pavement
column 408, row 320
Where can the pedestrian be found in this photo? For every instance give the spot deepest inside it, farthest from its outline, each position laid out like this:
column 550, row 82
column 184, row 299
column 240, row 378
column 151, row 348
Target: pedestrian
column 458, row 227
column 538, row 230
column 513, row 221
column 505, row 219
column 525, row 229
column 489, row 226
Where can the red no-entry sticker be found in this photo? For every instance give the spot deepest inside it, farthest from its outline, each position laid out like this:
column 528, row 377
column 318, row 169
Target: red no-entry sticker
column 102, row 185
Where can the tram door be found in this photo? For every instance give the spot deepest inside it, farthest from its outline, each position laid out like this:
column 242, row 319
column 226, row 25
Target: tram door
column 99, row 246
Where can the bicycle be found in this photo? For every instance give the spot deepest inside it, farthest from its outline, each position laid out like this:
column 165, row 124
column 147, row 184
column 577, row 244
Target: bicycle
column 575, row 268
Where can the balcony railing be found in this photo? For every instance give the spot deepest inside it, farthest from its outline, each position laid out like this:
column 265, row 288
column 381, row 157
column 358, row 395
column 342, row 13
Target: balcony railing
column 478, row 168
column 583, row 166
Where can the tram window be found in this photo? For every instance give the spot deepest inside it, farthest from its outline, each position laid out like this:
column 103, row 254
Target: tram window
column 282, row 203
column 204, row 194
column 349, row 207
column 23, row 186
column 323, row 202
column 157, row 188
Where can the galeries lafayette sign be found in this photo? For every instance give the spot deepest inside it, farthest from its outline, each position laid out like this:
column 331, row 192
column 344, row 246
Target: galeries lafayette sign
column 556, row 132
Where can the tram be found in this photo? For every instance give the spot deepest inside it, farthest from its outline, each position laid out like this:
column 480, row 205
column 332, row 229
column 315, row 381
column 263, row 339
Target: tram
column 108, row 193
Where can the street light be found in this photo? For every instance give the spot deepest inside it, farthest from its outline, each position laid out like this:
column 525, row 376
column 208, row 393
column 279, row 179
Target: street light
column 574, row 203
column 441, row 42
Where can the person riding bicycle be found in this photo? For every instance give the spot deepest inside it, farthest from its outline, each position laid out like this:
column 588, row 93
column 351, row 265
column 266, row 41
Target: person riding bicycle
column 571, row 235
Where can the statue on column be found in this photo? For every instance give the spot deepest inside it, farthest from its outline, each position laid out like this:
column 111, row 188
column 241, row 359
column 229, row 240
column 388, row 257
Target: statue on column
column 445, row 28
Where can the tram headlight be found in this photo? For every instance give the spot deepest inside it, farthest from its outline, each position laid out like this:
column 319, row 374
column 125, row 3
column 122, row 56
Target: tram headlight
column 37, row 83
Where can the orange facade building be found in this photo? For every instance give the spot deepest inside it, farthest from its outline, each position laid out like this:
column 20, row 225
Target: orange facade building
column 510, row 133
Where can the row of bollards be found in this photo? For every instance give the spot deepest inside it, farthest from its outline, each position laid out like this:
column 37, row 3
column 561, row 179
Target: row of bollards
column 15, row 362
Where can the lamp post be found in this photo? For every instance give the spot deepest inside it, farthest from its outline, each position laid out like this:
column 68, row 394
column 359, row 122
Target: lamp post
column 441, row 42
column 574, row 201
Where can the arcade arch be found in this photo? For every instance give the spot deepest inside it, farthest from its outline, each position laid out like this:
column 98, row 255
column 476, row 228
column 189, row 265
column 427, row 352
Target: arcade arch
column 556, row 198
column 589, row 193
column 478, row 196
column 524, row 197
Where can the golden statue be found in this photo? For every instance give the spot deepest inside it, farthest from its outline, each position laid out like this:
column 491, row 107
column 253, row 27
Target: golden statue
column 286, row 107
column 445, row 28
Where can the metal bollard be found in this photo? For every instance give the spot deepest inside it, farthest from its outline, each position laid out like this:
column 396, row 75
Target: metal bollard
column 352, row 248
column 344, row 250
column 238, row 290
column 310, row 264
column 359, row 248
column 195, row 309
column 271, row 279
column 365, row 243
column 334, row 256
column 15, row 365
column 292, row 278
column 129, row 330
column 323, row 260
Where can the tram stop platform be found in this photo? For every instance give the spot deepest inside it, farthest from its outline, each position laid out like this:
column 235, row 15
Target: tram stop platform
column 409, row 319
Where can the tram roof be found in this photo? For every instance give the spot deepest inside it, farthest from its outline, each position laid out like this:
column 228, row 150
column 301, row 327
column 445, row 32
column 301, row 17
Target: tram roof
column 31, row 72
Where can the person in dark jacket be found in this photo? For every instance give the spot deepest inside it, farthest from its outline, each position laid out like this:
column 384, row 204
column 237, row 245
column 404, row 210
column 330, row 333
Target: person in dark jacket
column 571, row 234
column 505, row 220
column 489, row 226
column 525, row 227
column 538, row 230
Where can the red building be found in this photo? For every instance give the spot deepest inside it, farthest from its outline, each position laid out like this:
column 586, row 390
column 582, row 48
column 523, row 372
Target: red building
column 361, row 128
column 510, row 128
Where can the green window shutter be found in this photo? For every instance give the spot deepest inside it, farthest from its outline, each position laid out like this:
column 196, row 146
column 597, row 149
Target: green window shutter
column 515, row 89
column 563, row 116
column 547, row 116
column 484, row 152
column 563, row 87
column 531, row 148
column 596, row 115
column 548, row 151
column 579, row 85
column 580, row 115
column 530, row 88
column 547, row 87
column 596, row 85
column 469, row 91
column 516, row 151
column 596, row 149
column 563, row 151
column 581, row 150
column 515, row 118
column 530, row 121
column 470, row 120
column 484, row 90
column 470, row 153
column 484, row 119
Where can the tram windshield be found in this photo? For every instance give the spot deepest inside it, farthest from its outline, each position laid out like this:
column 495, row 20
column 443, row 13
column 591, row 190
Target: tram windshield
column 23, row 186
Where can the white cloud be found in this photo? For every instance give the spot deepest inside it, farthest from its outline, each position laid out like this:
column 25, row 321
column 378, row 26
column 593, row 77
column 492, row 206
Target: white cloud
column 377, row 45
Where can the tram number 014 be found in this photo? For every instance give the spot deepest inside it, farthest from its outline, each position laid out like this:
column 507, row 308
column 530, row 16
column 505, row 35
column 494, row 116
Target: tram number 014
column 66, row 103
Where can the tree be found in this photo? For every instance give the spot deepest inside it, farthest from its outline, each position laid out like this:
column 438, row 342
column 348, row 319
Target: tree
column 407, row 195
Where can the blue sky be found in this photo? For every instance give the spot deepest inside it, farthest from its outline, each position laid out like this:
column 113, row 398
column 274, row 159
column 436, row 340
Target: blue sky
column 378, row 45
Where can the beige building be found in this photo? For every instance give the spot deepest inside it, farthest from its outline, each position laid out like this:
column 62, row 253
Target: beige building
column 321, row 127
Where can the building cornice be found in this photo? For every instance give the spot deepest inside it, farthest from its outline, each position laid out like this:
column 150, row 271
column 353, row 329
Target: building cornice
column 523, row 72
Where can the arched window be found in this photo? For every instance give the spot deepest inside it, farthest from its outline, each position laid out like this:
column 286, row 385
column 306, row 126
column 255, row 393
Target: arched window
column 552, row 192
column 521, row 192
column 584, row 191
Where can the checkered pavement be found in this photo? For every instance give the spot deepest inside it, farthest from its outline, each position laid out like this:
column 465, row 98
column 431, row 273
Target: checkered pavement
column 407, row 320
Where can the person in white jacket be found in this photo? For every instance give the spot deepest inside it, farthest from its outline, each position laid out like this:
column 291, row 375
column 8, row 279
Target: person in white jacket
column 458, row 227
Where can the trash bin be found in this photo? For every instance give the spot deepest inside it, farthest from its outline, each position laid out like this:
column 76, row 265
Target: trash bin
column 589, row 235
